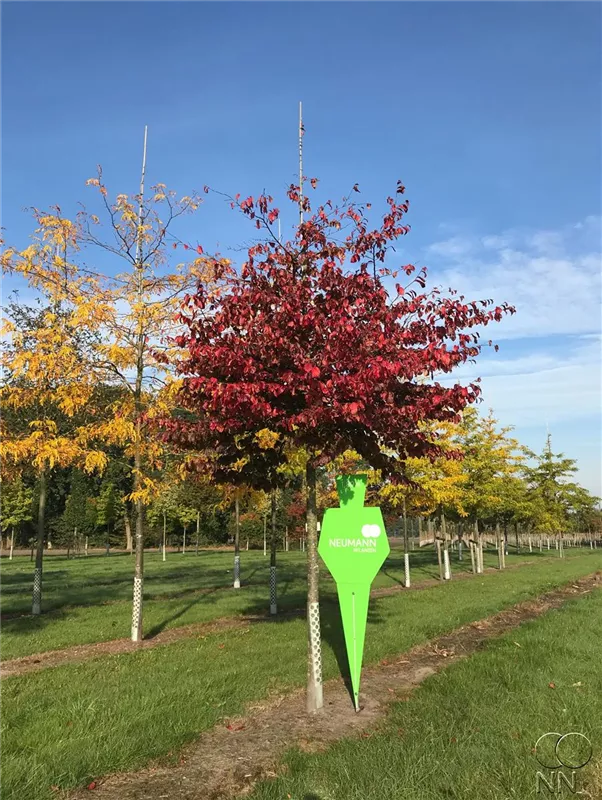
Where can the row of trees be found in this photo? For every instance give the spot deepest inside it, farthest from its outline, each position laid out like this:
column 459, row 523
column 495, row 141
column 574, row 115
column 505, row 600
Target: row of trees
column 243, row 383
column 498, row 481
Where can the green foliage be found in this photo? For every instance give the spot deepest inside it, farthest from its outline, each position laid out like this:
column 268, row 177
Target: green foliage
column 16, row 504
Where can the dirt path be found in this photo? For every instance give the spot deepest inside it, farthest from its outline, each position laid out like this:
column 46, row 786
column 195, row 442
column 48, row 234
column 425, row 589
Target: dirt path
column 84, row 652
column 227, row 760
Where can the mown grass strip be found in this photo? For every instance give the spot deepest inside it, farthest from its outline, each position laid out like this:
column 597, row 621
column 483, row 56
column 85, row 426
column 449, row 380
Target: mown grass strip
column 469, row 731
column 182, row 591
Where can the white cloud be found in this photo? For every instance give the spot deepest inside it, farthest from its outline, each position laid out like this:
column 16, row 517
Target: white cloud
column 551, row 277
column 540, row 387
column 456, row 246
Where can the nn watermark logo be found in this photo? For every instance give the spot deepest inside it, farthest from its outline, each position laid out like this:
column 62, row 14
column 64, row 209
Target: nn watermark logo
column 561, row 755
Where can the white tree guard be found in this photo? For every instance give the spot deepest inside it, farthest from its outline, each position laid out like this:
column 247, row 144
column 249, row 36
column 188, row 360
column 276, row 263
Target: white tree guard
column 237, row 572
column 406, row 564
column 36, row 607
column 446, row 569
column 137, row 611
column 316, row 652
column 273, row 603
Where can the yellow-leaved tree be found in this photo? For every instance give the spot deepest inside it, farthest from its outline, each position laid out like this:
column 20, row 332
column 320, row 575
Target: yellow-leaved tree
column 434, row 486
column 114, row 271
column 491, row 460
column 49, row 401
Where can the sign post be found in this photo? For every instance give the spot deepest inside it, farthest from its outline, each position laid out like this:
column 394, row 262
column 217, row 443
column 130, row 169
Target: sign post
column 353, row 545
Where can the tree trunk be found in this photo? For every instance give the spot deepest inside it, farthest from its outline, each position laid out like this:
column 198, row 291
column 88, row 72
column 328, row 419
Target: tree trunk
column 472, row 556
column 314, row 699
column 273, row 543
column 12, row 543
column 439, row 559
column 500, row 549
column 198, row 532
column 516, row 537
column 139, row 565
column 36, row 606
column 164, row 535
column 406, row 554
column 265, row 534
column 237, row 545
column 478, row 547
column 86, row 547
column 129, row 542
column 446, row 564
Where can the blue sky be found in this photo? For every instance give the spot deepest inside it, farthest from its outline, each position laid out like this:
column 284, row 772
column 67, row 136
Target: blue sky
column 489, row 112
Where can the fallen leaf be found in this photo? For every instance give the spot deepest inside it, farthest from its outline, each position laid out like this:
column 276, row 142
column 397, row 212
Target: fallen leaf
column 552, row 685
column 577, row 684
column 517, row 644
column 91, row 786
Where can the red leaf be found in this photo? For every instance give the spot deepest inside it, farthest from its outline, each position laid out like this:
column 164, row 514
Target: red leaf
column 199, row 250
column 91, row 786
column 552, row 685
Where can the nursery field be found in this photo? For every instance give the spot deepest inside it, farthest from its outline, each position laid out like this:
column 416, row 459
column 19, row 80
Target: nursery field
column 89, row 599
column 69, row 725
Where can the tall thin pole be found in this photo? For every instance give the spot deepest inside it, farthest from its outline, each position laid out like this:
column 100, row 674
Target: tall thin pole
column 139, row 565
column 300, row 163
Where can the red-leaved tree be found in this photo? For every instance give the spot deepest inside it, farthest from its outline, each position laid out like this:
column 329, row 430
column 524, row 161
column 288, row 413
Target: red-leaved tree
column 316, row 343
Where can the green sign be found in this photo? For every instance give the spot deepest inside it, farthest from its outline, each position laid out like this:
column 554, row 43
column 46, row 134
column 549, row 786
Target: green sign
column 353, row 545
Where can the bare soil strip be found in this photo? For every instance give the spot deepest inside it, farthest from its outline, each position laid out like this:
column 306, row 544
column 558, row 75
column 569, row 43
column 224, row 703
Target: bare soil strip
column 229, row 759
column 85, row 652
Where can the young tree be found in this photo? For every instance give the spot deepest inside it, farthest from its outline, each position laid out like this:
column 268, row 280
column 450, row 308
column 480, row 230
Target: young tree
column 435, row 486
column 16, row 502
column 133, row 309
column 48, row 401
column 323, row 359
column 490, row 459
column 550, row 484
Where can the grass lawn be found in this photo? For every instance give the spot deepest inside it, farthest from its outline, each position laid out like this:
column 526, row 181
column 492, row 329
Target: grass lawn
column 68, row 725
column 468, row 732
column 89, row 599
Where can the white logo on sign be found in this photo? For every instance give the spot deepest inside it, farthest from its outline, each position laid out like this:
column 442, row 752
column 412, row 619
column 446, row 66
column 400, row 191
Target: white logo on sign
column 371, row 531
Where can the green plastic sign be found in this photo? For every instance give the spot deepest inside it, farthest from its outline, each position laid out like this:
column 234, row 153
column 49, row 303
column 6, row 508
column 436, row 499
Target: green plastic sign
column 353, row 545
